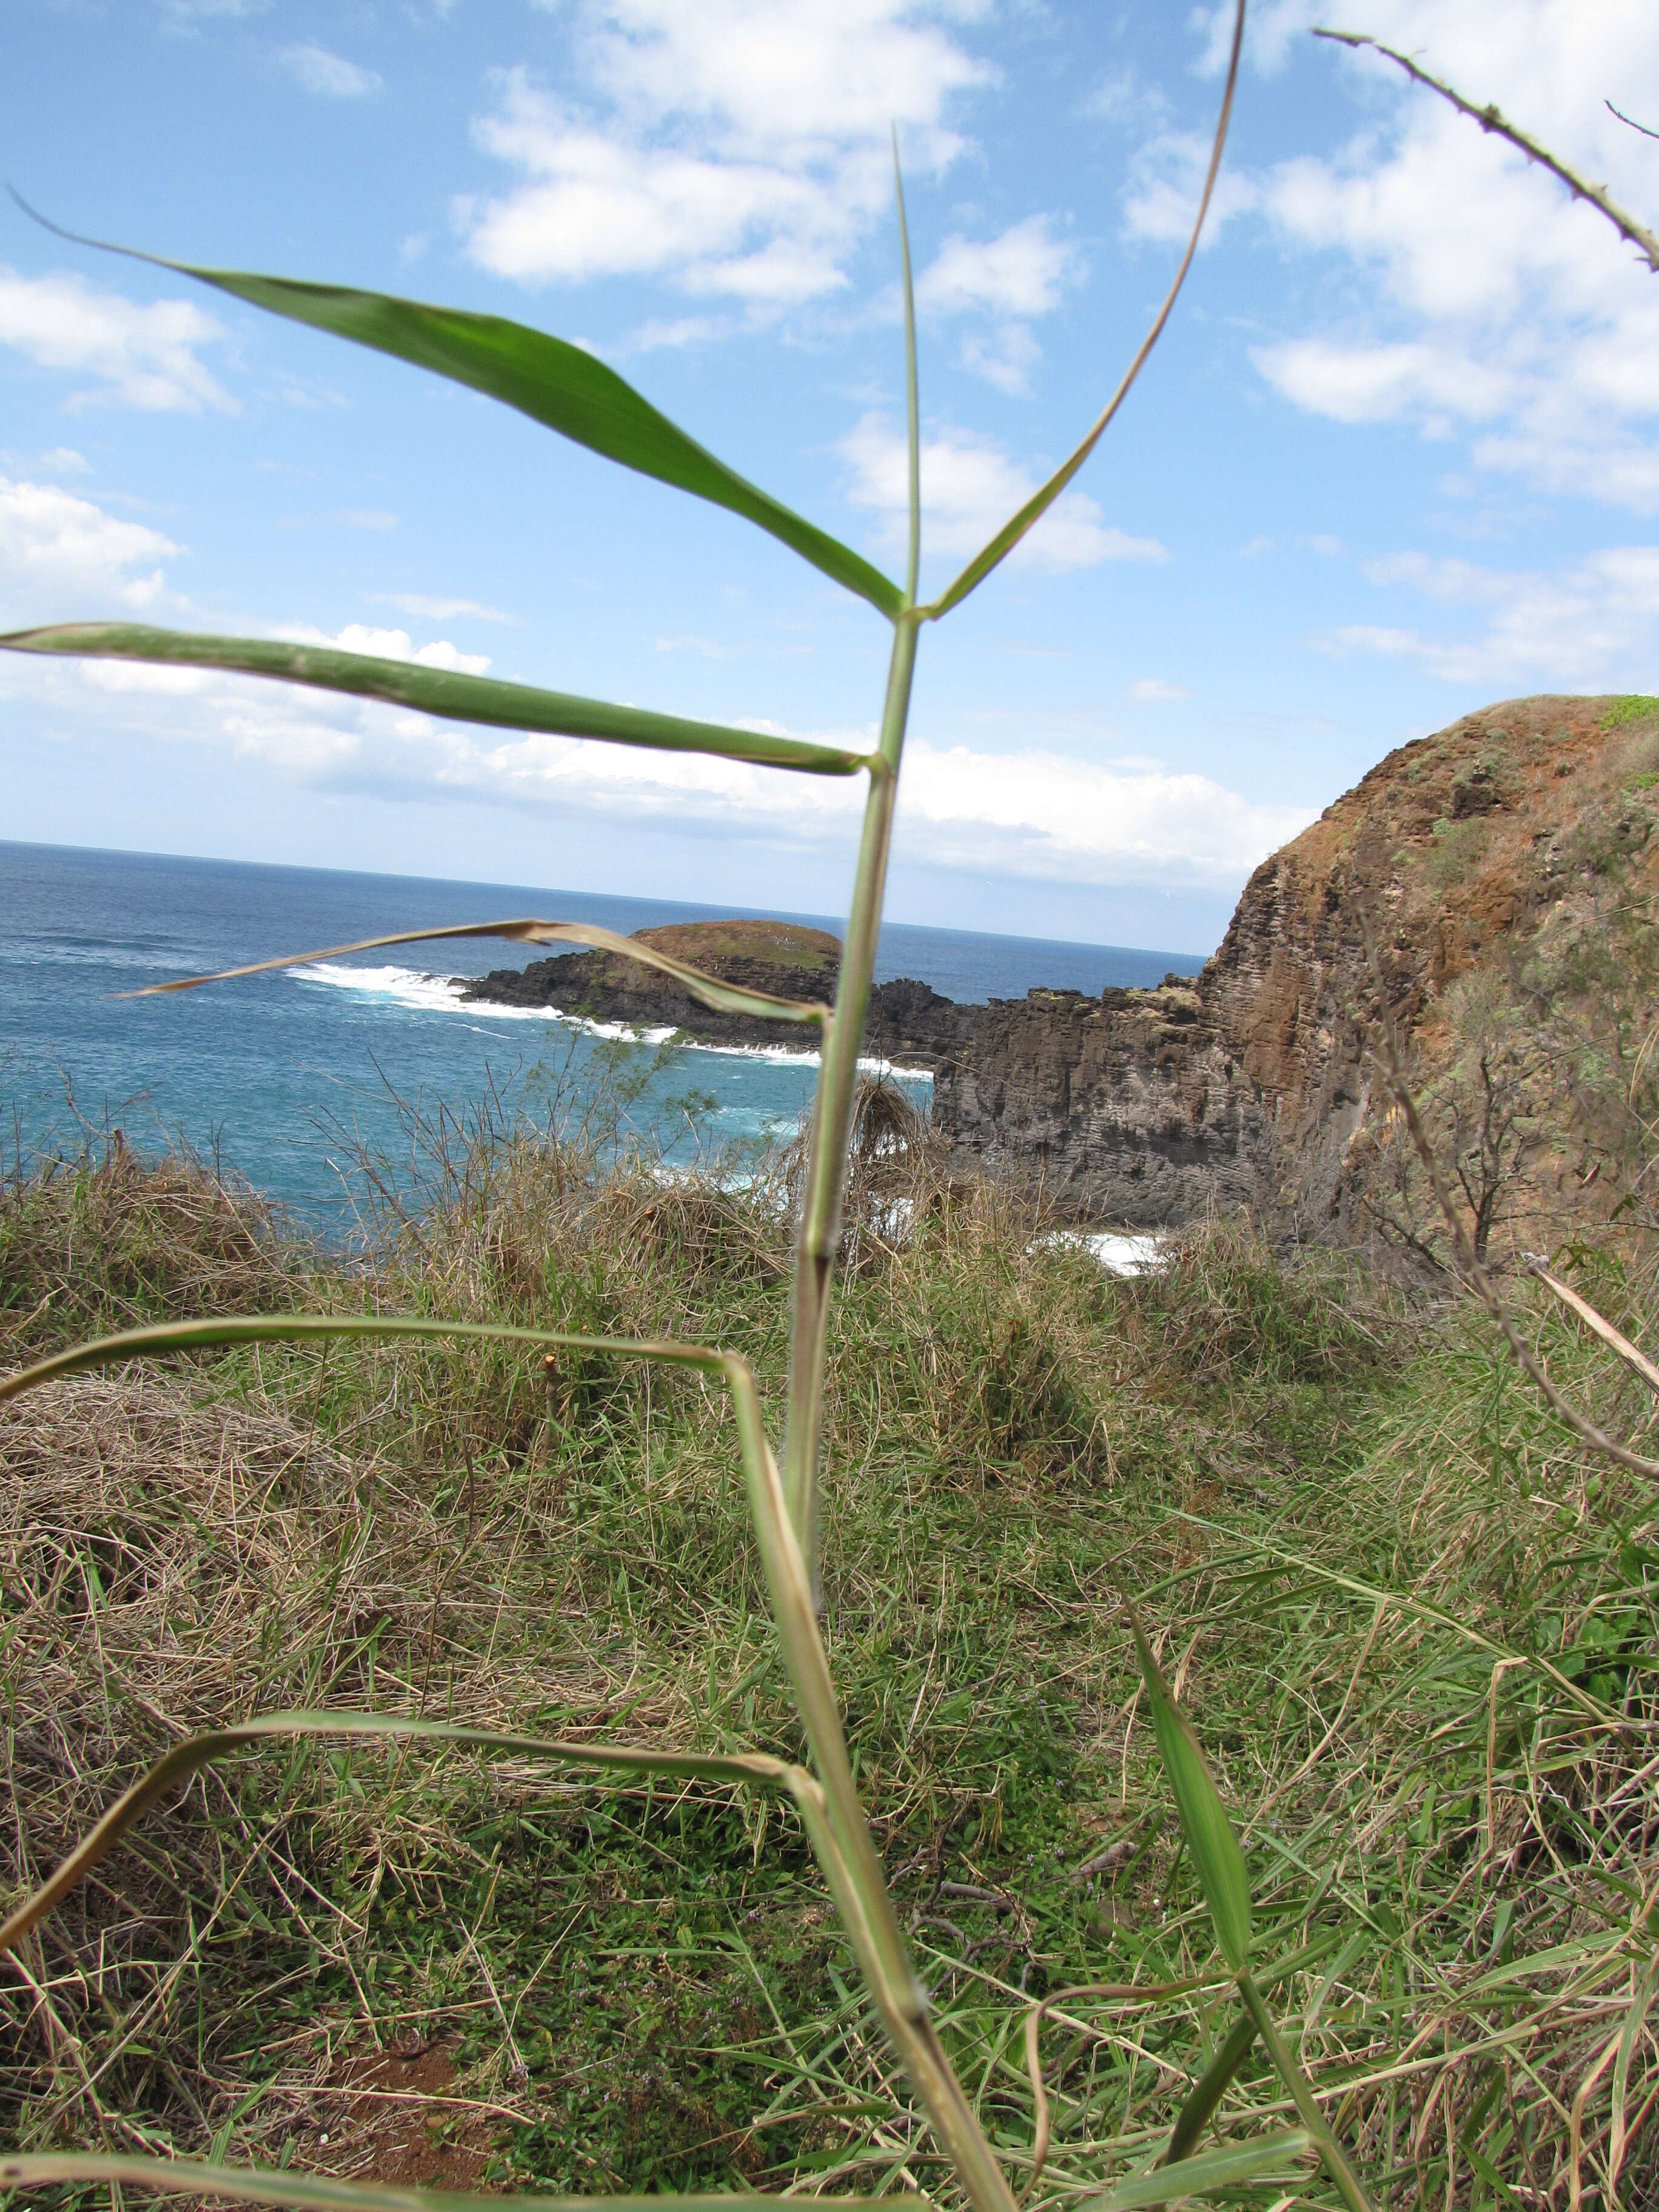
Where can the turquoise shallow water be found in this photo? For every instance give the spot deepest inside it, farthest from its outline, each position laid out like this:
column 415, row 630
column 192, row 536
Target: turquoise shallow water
column 278, row 1075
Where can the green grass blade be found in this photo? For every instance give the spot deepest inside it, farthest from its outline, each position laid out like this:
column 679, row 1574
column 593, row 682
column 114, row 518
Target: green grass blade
column 725, row 998
column 1277, row 2157
column 553, row 382
column 1194, row 2115
column 171, row 1336
column 1217, row 1858
column 321, row 2193
column 198, row 1751
column 1037, row 506
column 442, row 691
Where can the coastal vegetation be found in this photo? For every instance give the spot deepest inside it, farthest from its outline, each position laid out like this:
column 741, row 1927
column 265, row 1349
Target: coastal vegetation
column 1195, row 1742
column 1414, row 1619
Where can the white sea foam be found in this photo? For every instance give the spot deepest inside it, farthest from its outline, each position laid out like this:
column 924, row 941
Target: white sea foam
column 423, row 992
column 1120, row 1252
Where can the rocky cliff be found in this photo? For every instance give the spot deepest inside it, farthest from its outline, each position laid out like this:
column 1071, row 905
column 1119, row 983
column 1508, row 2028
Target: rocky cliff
column 1469, row 892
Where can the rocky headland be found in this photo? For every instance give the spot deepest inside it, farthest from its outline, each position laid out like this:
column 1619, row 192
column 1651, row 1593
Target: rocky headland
column 1484, row 896
column 910, row 1024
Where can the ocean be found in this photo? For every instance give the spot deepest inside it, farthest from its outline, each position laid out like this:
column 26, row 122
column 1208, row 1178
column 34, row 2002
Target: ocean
column 287, row 1080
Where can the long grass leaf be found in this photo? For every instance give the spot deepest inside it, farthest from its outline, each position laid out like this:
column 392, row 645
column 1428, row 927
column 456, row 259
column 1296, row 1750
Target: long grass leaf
column 446, row 692
column 1217, row 1858
column 198, row 1751
column 164, row 1337
column 725, row 998
column 554, row 382
column 1037, row 506
column 321, row 2193
column 1277, row 2157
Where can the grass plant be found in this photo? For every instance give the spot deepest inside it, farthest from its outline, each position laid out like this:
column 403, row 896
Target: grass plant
column 443, row 1538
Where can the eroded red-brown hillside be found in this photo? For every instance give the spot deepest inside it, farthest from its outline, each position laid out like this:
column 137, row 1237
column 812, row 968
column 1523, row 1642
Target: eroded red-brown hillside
column 1487, row 892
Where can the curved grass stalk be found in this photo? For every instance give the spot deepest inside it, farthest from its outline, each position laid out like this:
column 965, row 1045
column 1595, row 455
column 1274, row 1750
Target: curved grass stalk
column 316, row 2192
column 199, row 1751
column 725, row 998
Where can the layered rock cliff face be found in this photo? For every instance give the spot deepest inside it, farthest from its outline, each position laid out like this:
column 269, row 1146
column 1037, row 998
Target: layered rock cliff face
column 1253, row 1085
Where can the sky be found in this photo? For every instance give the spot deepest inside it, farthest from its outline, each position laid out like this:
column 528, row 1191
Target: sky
column 1395, row 458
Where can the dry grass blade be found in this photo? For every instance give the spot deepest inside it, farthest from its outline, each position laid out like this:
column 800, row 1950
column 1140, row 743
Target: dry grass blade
column 1599, row 1325
column 1119, row 1992
column 725, row 998
column 1635, row 234
column 279, row 1328
column 313, row 2192
column 189, row 1757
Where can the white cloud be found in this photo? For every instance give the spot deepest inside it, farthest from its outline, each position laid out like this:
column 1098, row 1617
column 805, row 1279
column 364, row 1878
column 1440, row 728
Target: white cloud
column 1047, row 815
column 1020, row 273
column 1004, row 357
column 441, row 610
column 1484, row 303
column 61, row 461
column 734, row 147
column 62, row 558
column 1149, row 690
column 969, row 488
column 392, row 644
column 1008, row 280
column 1592, row 625
column 327, row 75
column 144, row 357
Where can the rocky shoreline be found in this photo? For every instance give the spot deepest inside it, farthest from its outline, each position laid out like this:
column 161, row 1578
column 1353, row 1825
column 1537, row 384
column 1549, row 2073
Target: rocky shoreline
column 1248, row 1086
column 910, row 1024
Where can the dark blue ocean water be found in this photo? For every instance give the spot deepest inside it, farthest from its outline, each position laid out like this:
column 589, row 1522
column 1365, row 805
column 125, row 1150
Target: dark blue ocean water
column 280, row 1076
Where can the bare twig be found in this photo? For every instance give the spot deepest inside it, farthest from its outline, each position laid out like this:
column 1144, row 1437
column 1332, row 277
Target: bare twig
column 1637, row 234
column 1581, row 1424
column 1631, row 120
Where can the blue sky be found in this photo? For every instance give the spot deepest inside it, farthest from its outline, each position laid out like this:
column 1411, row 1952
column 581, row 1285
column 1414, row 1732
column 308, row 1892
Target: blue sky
column 1395, row 458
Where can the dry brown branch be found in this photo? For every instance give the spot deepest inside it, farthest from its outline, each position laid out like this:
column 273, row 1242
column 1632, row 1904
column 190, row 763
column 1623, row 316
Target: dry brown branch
column 1637, row 234
column 1581, row 1424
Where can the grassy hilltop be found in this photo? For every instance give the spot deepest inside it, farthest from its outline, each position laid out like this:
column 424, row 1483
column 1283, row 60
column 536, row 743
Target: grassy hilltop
column 1414, row 1621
